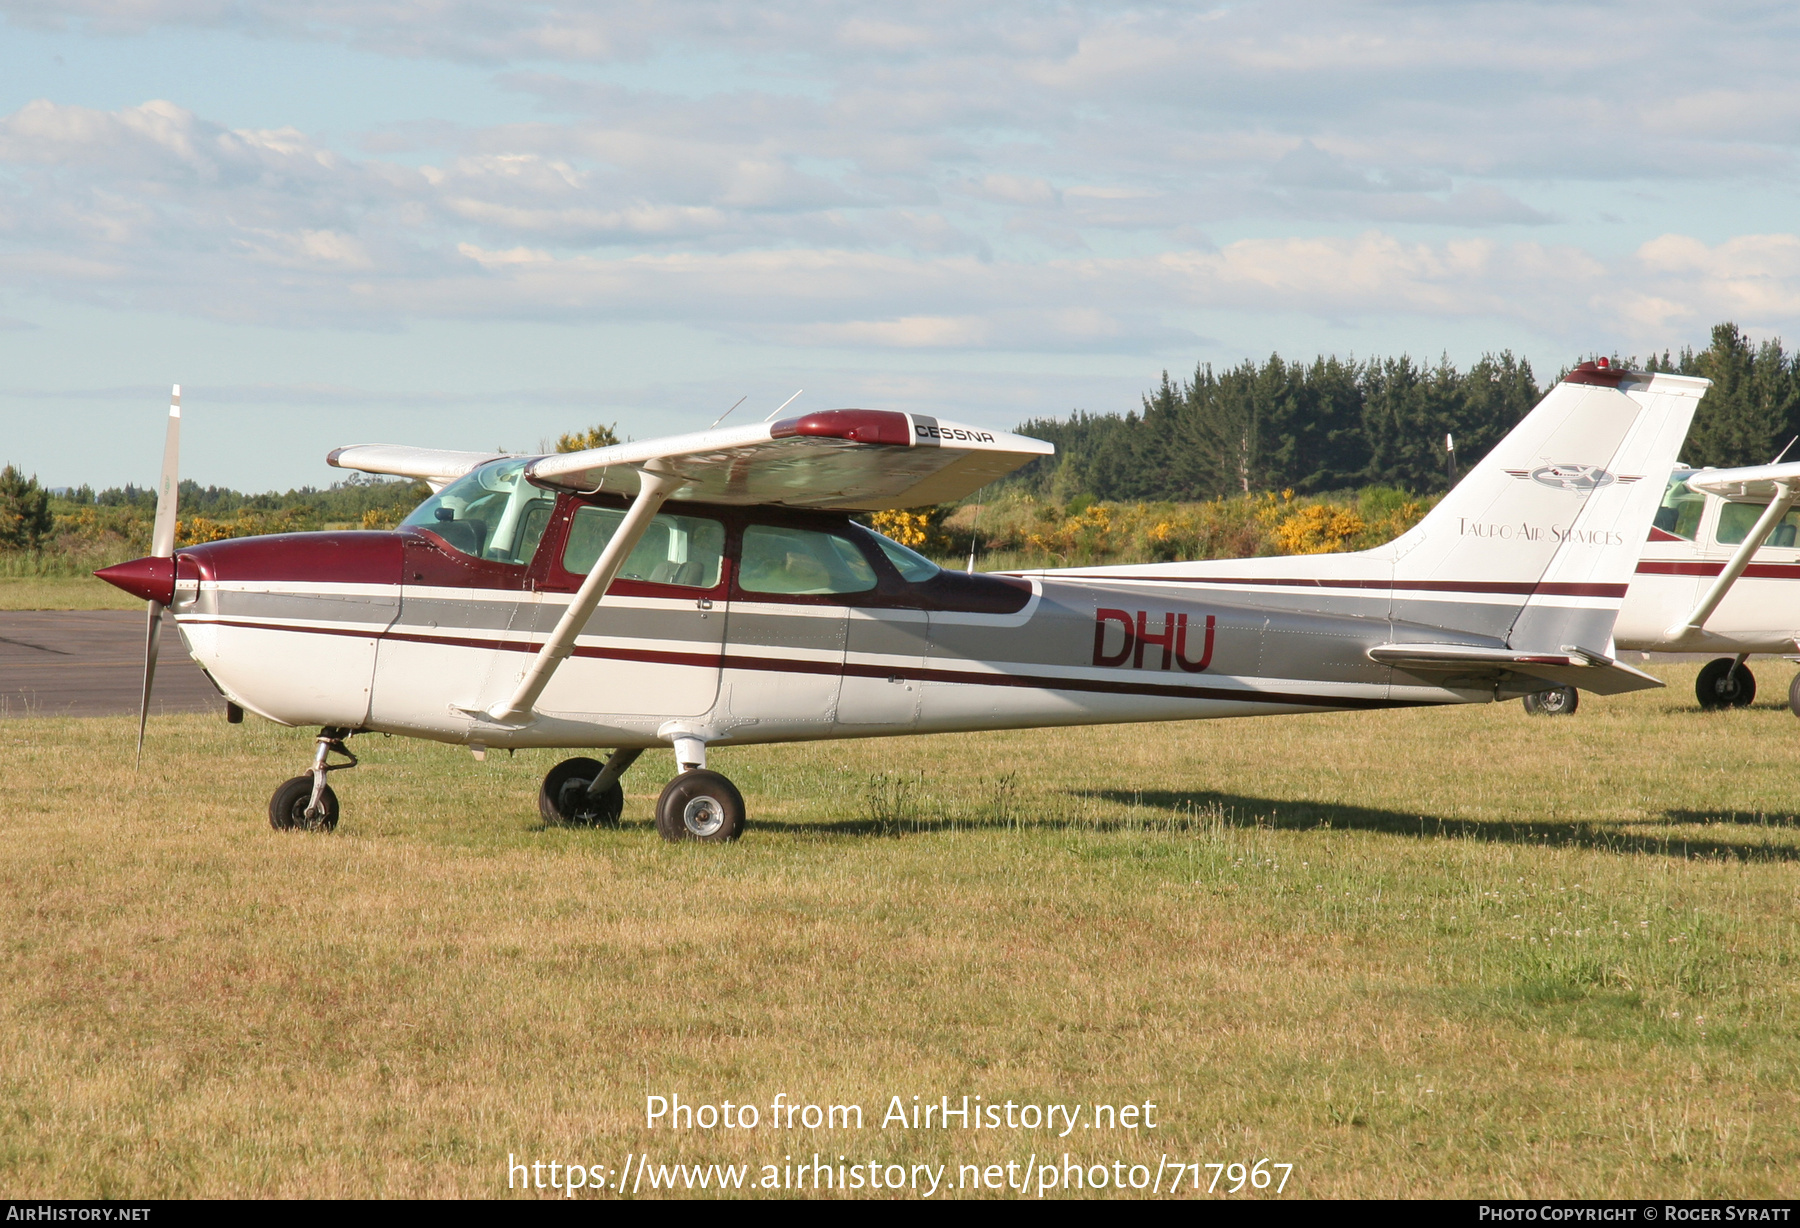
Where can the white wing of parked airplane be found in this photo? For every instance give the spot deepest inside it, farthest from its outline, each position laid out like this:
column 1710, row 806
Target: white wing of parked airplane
column 838, row 459
column 1756, row 482
column 435, row 466
column 859, row 460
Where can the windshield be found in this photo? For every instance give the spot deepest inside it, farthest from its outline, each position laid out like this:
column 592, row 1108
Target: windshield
column 1681, row 507
column 490, row 513
column 910, row 564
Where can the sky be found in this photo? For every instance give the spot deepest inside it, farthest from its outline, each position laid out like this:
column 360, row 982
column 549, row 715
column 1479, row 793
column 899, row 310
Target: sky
column 476, row 224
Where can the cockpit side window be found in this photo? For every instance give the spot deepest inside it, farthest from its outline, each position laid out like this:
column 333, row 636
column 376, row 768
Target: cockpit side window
column 490, row 513
column 1681, row 506
column 1737, row 519
column 680, row 550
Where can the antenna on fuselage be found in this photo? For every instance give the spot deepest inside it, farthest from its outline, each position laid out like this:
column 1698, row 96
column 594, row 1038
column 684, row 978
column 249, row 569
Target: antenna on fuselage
column 783, row 405
column 727, row 413
column 1784, row 451
column 974, row 536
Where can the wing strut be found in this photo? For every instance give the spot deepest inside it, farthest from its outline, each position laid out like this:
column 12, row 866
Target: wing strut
column 1786, row 493
column 653, row 489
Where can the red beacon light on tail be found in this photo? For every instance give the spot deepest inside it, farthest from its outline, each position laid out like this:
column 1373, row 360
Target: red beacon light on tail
column 1598, row 371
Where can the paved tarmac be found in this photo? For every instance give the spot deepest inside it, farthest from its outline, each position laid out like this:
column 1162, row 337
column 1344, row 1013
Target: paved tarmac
column 91, row 663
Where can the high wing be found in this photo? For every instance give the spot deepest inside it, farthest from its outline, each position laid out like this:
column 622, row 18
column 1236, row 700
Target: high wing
column 859, row 460
column 435, row 466
column 1756, row 482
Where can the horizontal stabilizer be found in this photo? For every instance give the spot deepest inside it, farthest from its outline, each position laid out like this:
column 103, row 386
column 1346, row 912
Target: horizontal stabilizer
column 1569, row 666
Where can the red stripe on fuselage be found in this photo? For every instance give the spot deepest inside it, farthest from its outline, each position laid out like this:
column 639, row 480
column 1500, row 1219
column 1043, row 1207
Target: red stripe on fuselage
column 1757, row 571
column 1519, row 589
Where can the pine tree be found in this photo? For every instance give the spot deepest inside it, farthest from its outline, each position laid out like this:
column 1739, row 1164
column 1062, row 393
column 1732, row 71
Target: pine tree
column 1742, row 418
column 25, row 519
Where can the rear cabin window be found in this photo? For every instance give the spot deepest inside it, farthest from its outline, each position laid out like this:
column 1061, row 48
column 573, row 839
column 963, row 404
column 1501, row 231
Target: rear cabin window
column 1737, row 519
column 802, row 562
column 1681, row 508
column 679, row 550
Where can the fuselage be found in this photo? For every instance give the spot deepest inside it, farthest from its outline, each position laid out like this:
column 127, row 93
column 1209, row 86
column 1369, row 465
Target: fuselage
column 742, row 625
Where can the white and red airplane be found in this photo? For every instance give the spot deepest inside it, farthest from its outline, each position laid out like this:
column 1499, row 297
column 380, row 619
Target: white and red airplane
column 712, row 590
column 1715, row 575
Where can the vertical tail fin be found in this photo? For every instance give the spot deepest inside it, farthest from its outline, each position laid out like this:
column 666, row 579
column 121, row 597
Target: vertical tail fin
column 1548, row 527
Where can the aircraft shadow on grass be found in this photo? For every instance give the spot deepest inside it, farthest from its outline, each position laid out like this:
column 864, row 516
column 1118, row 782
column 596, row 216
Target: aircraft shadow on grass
column 1250, row 812
column 1195, row 810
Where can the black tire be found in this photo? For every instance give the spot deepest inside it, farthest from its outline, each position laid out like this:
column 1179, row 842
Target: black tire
column 700, row 805
column 287, row 809
column 564, row 802
column 1794, row 695
column 1559, row 702
column 1721, row 686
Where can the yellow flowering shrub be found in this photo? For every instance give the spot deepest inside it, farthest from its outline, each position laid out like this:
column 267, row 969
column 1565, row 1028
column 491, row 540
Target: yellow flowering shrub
column 1320, row 528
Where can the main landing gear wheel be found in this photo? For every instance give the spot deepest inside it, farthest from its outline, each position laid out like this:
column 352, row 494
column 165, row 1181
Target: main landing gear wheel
column 700, row 805
column 1725, row 684
column 1560, row 702
column 564, row 800
column 1794, row 695
column 287, row 809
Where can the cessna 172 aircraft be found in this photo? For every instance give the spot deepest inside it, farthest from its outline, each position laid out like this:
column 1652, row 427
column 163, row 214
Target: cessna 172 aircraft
column 712, row 590
column 1714, row 576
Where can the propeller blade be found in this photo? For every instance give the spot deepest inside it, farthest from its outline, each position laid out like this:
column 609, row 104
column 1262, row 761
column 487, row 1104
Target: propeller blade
column 162, row 546
column 152, row 644
column 162, row 536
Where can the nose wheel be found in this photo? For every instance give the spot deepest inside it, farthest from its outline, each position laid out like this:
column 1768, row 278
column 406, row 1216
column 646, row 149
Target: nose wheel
column 307, row 803
column 288, row 808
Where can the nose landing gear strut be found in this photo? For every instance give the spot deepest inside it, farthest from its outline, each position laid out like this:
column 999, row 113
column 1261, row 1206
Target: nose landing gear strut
column 307, row 803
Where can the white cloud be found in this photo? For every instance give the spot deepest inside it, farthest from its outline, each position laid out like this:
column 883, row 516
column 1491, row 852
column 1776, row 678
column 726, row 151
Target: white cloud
column 152, row 205
column 1752, row 279
column 923, row 177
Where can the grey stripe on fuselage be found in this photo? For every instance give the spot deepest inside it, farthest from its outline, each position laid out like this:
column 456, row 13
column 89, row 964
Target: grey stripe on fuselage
column 523, row 614
column 372, row 610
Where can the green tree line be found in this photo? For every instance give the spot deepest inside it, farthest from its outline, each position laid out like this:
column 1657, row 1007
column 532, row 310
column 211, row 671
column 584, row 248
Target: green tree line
column 1338, row 424
column 1329, row 426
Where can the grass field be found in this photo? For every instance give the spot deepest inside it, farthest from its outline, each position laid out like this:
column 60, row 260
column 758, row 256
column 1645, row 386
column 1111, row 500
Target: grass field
column 1460, row 952
column 63, row 593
